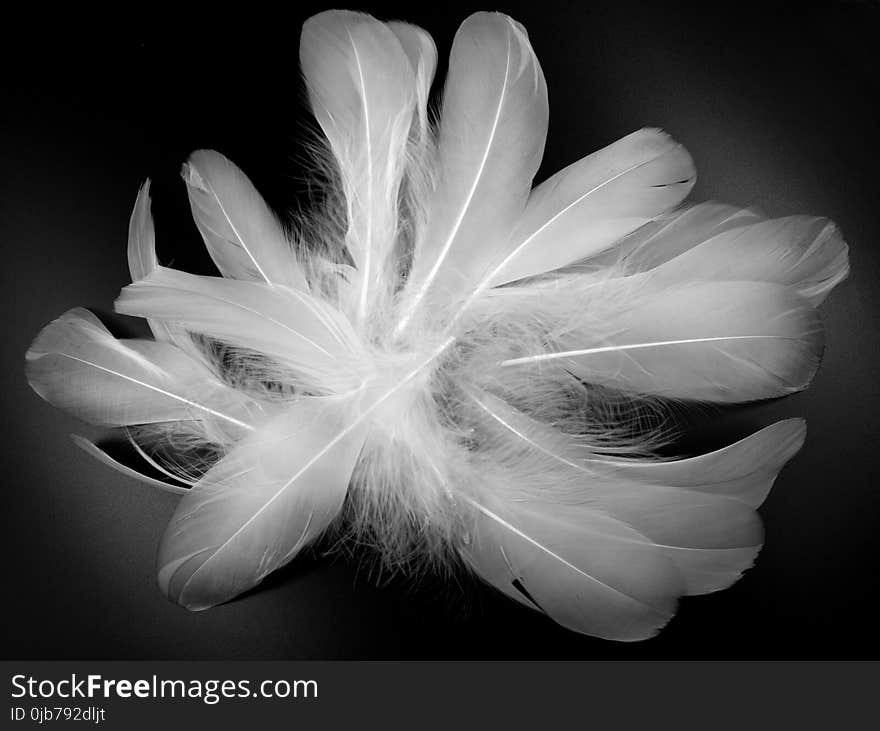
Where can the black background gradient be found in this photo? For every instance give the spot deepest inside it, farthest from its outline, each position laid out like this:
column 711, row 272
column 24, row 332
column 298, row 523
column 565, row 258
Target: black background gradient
column 777, row 107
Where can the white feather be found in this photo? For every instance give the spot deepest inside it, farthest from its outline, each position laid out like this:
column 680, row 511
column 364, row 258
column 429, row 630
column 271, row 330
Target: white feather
column 76, row 364
column 588, row 206
column 277, row 321
column 241, row 234
column 723, row 341
column 709, row 537
column 675, row 233
column 744, row 470
column 259, row 506
column 803, row 252
column 142, row 261
column 361, row 86
column 588, row 572
column 422, row 53
column 491, row 140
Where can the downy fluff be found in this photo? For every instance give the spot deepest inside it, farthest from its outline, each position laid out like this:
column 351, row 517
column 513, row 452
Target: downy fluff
column 448, row 363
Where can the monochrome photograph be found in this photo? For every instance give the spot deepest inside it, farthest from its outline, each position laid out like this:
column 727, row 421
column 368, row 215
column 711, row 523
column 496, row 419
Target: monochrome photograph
column 421, row 332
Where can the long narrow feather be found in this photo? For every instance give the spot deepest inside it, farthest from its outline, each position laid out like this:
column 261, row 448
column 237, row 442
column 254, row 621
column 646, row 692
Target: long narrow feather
column 361, row 88
column 142, row 258
column 723, row 342
column 744, row 470
column 142, row 261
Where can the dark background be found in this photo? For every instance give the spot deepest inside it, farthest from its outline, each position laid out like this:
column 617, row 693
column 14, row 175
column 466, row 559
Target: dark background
column 775, row 104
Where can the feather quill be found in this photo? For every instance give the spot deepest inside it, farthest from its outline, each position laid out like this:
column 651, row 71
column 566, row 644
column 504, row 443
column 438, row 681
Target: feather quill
column 468, row 385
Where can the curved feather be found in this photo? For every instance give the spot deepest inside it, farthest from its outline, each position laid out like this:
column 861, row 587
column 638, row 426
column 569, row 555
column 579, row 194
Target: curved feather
column 588, row 572
column 491, row 140
column 719, row 341
column 142, row 261
column 95, row 451
column 241, row 234
column 251, row 513
column 76, row 364
column 590, row 205
column 141, row 236
column 708, row 536
column 744, row 470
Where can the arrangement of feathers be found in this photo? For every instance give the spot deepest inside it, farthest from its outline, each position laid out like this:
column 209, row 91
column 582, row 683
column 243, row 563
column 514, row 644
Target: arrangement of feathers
column 447, row 363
